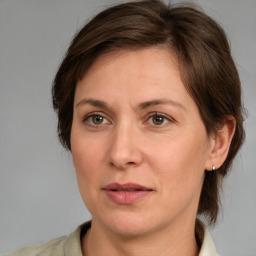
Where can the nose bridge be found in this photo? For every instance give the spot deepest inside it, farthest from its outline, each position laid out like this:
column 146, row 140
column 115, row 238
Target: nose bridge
column 124, row 150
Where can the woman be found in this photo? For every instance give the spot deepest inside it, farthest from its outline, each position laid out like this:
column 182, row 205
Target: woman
column 149, row 104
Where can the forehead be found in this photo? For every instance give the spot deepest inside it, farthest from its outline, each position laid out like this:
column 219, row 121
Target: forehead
column 154, row 64
column 134, row 75
column 132, row 56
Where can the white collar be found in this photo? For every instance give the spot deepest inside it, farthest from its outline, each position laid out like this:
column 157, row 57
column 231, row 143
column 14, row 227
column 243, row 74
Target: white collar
column 73, row 243
column 207, row 247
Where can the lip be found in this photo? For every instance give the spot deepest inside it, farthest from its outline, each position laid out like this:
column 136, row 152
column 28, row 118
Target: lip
column 127, row 193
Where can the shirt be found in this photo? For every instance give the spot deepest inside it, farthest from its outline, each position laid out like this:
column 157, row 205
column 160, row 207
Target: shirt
column 71, row 245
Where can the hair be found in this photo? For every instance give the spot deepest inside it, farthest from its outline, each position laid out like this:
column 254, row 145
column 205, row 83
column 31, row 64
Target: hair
column 206, row 66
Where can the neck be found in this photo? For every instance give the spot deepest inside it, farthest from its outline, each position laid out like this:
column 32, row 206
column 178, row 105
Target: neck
column 167, row 241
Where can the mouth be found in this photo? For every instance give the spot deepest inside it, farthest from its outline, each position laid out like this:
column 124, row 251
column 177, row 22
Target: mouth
column 127, row 193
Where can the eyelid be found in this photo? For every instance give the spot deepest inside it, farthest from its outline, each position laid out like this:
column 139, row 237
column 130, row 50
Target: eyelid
column 167, row 117
column 105, row 116
column 91, row 114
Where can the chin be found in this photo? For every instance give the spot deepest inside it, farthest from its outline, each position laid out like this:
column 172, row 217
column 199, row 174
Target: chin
column 129, row 224
column 128, row 229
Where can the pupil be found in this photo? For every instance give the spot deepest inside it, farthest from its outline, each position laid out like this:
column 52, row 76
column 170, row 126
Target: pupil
column 97, row 119
column 158, row 120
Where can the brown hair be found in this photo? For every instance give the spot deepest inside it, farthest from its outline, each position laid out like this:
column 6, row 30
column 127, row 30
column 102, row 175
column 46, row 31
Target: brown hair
column 207, row 69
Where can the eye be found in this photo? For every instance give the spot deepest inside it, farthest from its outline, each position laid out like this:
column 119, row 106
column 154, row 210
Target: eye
column 158, row 119
column 96, row 120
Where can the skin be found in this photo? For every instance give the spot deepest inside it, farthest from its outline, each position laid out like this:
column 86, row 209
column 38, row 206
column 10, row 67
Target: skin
column 127, row 143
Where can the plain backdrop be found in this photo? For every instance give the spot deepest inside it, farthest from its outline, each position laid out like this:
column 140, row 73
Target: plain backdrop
column 39, row 198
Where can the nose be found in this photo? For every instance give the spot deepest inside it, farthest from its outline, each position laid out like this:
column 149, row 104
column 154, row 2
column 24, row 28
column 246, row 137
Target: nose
column 125, row 147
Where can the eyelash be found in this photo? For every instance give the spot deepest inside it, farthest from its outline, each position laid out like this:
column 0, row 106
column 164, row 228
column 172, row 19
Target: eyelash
column 150, row 116
column 91, row 115
column 160, row 115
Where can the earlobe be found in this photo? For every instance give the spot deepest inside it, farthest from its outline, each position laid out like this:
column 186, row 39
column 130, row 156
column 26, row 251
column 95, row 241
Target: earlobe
column 221, row 144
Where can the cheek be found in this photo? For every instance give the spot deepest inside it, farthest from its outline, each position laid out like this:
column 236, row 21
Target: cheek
column 86, row 159
column 179, row 165
column 84, row 148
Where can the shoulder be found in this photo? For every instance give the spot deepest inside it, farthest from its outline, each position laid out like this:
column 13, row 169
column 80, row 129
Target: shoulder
column 52, row 247
column 62, row 246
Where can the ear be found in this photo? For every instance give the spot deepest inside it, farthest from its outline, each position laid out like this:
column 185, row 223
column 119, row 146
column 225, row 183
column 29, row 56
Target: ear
column 220, row 143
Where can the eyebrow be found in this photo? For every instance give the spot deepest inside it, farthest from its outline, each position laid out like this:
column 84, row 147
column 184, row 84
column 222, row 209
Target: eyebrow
column 151, row 103
column 93, row 102
column 142, row 105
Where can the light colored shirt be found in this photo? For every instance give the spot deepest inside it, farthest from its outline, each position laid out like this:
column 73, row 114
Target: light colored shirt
column 71, row 245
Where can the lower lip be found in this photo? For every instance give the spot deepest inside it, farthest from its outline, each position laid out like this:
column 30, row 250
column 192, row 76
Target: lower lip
column 127, row 197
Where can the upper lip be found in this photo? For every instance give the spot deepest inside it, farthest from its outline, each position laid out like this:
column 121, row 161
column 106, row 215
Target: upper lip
column 126, row 187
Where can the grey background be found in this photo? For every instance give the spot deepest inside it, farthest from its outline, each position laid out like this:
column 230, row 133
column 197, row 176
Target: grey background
column 39, row 198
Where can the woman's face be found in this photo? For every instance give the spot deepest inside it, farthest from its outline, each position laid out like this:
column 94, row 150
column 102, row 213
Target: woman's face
column 138, row 143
